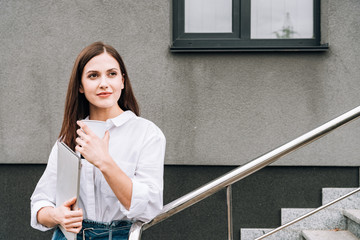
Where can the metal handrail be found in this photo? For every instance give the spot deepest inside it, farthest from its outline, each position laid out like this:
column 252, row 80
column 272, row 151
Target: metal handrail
column 242, row 172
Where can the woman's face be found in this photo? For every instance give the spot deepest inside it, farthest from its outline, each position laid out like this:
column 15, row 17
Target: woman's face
column 102, row 82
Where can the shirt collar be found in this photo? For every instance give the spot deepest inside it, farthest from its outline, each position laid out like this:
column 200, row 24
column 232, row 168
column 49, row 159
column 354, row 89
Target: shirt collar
column 122, row 118
column 119, row 120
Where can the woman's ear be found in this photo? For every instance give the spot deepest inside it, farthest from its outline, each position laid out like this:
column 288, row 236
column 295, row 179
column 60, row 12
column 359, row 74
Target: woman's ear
column 123, row 81
column 81, row 89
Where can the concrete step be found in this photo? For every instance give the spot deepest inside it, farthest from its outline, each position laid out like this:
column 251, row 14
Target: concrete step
column 353, row 221
column 353, row 214
column 328, row 235
column 341, row 221
column 322, row 220
column 330, row 194
column 253, row 233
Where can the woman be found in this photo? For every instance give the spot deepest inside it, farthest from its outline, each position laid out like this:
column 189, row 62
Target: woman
column 122, row 173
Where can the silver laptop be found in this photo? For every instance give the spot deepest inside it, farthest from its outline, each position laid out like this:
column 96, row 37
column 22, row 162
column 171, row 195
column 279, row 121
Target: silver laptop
column 68, row 179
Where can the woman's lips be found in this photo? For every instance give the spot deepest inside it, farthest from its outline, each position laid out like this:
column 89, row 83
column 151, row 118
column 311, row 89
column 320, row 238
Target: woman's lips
column 104, row 94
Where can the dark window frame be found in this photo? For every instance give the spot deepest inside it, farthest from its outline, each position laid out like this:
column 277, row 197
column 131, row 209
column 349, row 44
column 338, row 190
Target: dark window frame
column 239, row 39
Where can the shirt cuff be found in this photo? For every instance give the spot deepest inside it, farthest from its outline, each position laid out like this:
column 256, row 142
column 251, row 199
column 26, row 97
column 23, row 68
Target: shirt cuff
column 142, row 208
column 34, row 210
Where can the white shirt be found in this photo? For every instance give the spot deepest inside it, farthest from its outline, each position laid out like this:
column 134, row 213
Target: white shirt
column 138, row 147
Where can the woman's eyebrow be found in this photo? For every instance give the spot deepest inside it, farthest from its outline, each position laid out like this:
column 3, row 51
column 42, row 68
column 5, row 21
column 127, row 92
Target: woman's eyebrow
column 95, row 71
column 90, row 71
column 111, row 69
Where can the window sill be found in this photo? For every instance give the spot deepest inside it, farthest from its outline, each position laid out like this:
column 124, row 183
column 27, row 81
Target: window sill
column 321, row 48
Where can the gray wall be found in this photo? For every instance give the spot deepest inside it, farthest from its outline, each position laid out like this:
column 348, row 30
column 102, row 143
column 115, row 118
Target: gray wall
column 214, row 108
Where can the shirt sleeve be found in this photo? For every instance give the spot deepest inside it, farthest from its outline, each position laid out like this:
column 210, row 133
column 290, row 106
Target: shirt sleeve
column 147, row 192
column 45, row 191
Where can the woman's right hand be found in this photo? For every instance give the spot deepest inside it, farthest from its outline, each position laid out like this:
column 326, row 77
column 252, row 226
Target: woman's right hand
column 70, row 220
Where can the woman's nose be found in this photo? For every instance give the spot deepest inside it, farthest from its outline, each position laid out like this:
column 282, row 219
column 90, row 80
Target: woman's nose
column 103, row 83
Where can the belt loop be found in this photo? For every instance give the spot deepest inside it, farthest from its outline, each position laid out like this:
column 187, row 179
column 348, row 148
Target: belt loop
column 84, row 232
column 111, row 225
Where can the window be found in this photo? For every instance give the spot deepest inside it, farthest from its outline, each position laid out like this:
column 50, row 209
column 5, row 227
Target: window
column 246, row 25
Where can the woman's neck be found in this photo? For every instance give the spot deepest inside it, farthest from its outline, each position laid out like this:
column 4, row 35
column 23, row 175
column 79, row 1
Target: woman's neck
column 102, row 114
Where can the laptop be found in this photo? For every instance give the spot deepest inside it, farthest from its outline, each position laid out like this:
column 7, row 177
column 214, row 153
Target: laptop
column 68, row 179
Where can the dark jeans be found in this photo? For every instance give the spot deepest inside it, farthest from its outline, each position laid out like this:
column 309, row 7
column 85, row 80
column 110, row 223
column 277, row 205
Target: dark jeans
column 91, row 230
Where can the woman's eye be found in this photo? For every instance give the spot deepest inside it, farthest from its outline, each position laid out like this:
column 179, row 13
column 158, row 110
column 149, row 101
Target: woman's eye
column 92, row 76
column 113, row 74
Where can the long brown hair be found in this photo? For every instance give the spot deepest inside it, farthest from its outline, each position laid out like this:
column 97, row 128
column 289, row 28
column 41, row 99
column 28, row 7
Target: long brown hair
column 77, row 106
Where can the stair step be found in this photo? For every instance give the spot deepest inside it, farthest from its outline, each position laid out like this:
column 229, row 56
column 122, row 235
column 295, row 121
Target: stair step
column 330, row 194
column 322, row 220
column 353, row 214
column 253, row 233
column 328, row 235
column 341, row 221
column 353, row 221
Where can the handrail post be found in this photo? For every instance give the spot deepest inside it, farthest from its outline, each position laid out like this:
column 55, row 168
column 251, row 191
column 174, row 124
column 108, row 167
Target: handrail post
column 229, row 212
column 135, row 231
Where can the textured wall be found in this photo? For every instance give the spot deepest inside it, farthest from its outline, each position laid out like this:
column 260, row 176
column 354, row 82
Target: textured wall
column 214, row 108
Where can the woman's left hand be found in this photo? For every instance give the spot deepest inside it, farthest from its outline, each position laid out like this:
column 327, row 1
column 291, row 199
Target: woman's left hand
column 92, row 148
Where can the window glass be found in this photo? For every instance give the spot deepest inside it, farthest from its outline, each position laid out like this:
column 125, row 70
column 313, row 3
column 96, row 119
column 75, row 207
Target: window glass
column 284, row 19
column 208, row 16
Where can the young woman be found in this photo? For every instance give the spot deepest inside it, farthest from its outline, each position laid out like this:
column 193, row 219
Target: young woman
column 122, row 173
